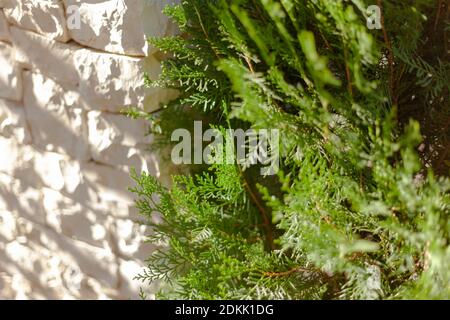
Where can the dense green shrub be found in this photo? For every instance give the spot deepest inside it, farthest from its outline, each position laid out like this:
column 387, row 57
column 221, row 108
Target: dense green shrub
column 360, row 206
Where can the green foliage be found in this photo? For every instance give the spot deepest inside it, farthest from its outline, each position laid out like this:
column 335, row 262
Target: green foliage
column 356, row 212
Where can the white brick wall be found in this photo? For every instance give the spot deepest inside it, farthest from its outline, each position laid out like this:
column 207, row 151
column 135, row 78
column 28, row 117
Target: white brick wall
column 66, row 217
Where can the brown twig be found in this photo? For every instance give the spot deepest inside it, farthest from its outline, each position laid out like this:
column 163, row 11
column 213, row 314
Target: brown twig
column 447, row 12
column 292, row 271
column 266, row 222
column 249, row 63
column 156, row 110
column 438, row 14
column 327, row 44
column 347, row 73
column 206, row 33
column 285, row 273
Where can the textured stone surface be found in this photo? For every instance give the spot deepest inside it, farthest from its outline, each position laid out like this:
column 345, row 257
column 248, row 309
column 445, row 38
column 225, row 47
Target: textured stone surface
column 56, row 120
column 57, row 262
column 52, row 58
column 37, row 169
column 12, row 121
column 119, row 141
column 67, row 219
column 76, row 221
column 4, row 28
column 46, row 17
column 110, row 25
column 155, row 23
column 10, row 74
column 8, row 164
column 110, row 82
column 106, row 81
column 56, row 171
column 28, row 205
column 125, row 158
column 107, row 128
column 108, row 182
column 57, row 223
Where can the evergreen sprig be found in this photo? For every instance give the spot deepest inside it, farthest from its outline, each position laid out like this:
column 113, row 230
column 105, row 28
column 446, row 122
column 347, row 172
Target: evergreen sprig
column 356, row 212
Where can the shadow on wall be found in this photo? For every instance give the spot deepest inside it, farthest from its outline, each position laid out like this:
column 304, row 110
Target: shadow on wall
column 66, row 217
